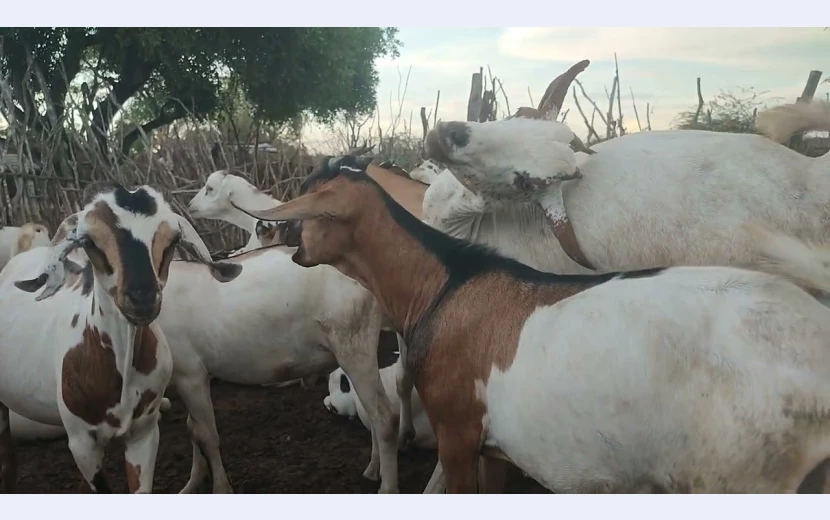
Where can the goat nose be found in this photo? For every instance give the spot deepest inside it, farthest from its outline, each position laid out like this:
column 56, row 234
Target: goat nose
column 143, row 295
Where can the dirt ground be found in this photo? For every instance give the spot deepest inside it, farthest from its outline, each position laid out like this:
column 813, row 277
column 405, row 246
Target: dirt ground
column 274, row 440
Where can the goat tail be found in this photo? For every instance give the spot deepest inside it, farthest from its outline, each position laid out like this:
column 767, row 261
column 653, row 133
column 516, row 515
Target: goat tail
column 805, row 263
column 782, row 122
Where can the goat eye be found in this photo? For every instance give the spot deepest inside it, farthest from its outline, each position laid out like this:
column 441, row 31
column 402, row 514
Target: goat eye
column 208, row 189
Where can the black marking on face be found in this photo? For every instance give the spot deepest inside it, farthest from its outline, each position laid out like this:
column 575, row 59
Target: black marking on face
column 345, row 387
column 139, row 277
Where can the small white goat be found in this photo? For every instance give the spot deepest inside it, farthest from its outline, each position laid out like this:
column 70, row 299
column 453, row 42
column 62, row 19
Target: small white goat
column 86, row 352
column 343, row 401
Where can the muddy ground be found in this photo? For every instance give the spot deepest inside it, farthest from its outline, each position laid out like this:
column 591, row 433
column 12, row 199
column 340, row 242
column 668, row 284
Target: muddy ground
column 274, row 440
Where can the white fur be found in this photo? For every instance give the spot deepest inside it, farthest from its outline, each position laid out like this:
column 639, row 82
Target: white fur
column 36, row 335
column 679, row 380
column 213, row 201
column 10, row 237
column 647, row 199
column 498, row 150
column 349, row 405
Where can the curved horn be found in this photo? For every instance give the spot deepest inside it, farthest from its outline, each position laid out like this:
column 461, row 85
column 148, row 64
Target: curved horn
column 554, row 97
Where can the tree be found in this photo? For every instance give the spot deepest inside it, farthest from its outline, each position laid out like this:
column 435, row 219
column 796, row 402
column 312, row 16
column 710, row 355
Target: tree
column 173, row 73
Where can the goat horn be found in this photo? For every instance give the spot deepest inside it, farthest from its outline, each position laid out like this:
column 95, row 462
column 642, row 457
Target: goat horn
column 554, row 97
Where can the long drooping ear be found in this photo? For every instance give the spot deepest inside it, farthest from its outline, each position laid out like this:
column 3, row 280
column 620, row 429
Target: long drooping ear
column 554, row 97
column 302, row 208
column 57, row 264
column 191, row 247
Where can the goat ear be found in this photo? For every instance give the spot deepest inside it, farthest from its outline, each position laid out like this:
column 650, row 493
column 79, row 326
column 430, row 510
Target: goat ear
column 54, row 272
column 578, row 146
column 363, row 162
column 32, row 285
column 191, row 247
column 554, row 97
column 302, row 208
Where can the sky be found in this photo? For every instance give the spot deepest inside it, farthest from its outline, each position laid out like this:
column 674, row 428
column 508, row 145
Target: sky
column 660, row 65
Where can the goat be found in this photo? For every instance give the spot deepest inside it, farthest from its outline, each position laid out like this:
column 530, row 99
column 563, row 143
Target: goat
column 215, row 201
column 646, row 199
column 15, row 240
column 742, row 414
column 224, row 192
column 343, row 401
column 86, row 352
column 276, row 323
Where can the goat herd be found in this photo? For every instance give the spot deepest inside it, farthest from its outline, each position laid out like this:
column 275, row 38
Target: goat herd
column 537, row 288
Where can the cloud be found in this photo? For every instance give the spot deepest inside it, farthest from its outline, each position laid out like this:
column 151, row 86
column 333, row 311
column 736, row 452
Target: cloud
column 733, row 46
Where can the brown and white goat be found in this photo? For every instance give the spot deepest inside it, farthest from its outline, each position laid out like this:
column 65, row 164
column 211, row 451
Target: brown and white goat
column 86, row 352
column 665, row 379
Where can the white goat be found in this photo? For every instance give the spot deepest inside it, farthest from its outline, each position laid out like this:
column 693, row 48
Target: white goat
column 647, row 199
column 343, row 401
column 276, row 322
column 216, row 198
column 15, row 240
column 86, row 352
column 215, row 201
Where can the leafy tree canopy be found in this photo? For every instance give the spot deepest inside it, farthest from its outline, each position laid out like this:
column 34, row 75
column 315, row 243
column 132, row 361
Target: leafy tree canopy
column 173, row 72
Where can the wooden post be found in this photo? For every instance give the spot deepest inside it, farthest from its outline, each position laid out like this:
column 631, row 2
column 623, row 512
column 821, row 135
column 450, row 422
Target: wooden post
column 474, row 105
column 806, row 96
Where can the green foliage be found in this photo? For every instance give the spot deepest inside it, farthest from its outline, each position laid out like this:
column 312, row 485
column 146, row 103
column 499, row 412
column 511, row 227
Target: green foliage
column 167, row 74
column 726, row 112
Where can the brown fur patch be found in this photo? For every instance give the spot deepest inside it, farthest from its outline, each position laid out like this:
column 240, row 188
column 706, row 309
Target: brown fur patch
column 90, row 381
column 162, row 239
column 146, row 398
column 112, row 420
column 144, row 350
column 24, row 241
column 471, row 332
column 133, row 477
